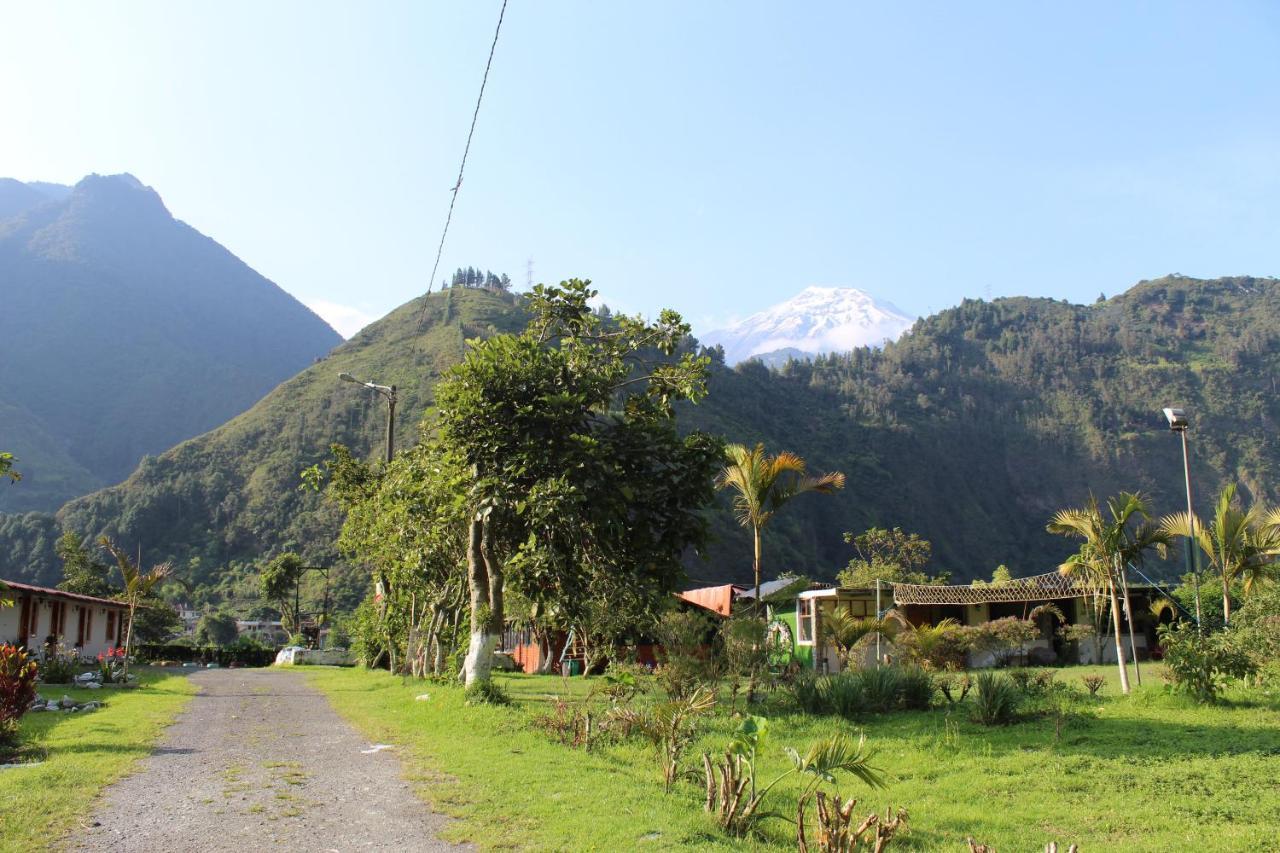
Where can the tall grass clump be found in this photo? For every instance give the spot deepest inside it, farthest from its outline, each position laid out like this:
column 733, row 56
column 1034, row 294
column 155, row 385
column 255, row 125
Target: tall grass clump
column 843, row 694
column 997, row 699
column 881, row 688
column 917, row 689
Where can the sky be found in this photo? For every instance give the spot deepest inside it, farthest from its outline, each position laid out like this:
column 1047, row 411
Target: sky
column 712, row 157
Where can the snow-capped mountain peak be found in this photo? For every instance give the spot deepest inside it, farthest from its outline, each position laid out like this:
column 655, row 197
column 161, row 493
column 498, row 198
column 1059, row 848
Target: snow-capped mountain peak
column 816, row 320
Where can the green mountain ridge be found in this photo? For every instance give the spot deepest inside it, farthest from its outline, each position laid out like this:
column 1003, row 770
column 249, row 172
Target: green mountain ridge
column 971, row 430
column 127, row 332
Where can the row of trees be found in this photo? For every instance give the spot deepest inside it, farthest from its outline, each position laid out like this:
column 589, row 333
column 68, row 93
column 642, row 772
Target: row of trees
column 1242, row 546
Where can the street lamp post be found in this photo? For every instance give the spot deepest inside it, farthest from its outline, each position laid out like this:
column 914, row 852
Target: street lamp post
column 389, row 393
column 1178, row 423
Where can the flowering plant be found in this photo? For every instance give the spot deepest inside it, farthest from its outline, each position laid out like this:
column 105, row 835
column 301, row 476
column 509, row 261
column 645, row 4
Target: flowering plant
column 111, row 665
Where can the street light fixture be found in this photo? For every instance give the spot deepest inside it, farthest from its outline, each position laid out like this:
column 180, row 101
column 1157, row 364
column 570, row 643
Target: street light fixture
column 1178, row 423
column 389, row 393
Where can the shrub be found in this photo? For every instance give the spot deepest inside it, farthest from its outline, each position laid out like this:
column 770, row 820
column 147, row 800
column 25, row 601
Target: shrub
column 917, row 689
column 1200, row 665
column 1004, row 638
column 486, row 692
column 997, row 699
column 58, row 664
column 881, row 688
column 671, row 726
column 687, row 664
column 1093, row 683
column 935, row 647
column 568, row 726
column 809, row 692
column 842, row 694
column 954, row 687
column 17, row 689
column 743, row 638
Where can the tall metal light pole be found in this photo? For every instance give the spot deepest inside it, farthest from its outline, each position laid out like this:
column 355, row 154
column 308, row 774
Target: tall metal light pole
column 1178, row 423
column 389, row 393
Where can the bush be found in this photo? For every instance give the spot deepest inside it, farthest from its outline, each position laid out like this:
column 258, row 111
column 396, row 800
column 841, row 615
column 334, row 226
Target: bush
column 917, row 689
column 881, row 688
column 809, row 691
column 876, row 690
column 486, row 693
column 937, row 648
column 687, row 663
column 17, row 690
column 1200, row 665
column 997, row 699
column 842, row 694
column 58, row 664
column 1093, row 683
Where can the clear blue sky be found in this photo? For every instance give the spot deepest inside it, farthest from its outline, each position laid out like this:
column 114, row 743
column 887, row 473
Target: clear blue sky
column 711, row 157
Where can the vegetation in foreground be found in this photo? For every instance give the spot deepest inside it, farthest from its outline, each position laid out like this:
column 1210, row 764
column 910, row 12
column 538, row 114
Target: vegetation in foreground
column 80, row 754
column 1150, row 771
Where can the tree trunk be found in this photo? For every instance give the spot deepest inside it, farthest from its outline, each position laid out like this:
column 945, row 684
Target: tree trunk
column 128, row 643
column 1128, row 610
column 1115, row 621
column 1226, row 600
column 756, row 567
column 485, row 578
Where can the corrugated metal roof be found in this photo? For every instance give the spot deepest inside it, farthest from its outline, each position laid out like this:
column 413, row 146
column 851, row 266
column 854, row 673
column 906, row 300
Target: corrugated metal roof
column 58, row 593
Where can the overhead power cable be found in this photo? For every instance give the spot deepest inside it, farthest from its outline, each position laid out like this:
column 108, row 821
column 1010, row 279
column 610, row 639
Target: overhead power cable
column 466, row 150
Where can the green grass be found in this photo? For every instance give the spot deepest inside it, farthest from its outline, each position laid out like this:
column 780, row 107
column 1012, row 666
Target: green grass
column 1147, row 772
column 82, row 753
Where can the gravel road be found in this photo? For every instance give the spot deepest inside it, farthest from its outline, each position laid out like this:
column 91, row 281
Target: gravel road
column 259, row 761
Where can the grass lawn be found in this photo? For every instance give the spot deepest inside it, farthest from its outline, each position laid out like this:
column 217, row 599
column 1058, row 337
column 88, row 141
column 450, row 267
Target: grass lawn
column 1151, row 771
column 82, row 753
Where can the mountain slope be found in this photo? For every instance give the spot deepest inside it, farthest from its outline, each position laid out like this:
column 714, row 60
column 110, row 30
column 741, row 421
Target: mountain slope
column 971, row 431
column 817, row 320
column 127, row 332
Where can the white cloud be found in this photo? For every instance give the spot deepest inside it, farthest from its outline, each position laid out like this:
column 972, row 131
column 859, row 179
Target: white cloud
column 345, row 319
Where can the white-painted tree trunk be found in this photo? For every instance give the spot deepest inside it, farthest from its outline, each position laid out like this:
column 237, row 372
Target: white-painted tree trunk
column 479, row 661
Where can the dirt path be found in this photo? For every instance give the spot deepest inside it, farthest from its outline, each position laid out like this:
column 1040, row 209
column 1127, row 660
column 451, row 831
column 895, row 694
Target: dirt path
column 260, row 761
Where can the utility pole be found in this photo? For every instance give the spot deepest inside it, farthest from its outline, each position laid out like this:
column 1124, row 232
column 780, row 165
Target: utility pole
column 388, row 392
column 1179, row 423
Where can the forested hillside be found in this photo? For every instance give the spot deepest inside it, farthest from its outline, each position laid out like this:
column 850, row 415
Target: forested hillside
column 971, row 430
column 125, row 332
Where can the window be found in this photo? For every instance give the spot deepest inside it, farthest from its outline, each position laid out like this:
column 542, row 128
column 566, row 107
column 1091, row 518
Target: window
column 804, row 621
column 57, row 618
column 26, row 626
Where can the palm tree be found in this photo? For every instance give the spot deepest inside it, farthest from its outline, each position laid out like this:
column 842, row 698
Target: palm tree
column 1240, row 544
column 846, row 631
column 138, row 585
column 1109, row 545
column 764, row 484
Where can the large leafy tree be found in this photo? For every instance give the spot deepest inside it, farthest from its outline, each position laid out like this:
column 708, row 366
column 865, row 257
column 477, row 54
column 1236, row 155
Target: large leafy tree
column 887, row 555
column 280, row 583
column 1111, row 540
column 567, row 435
column 408, row 519
column 82, row 573
column 1239, row 543
column 763, row 484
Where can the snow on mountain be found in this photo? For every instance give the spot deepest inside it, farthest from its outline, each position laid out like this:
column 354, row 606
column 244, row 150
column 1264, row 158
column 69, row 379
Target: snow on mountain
column 817, row 320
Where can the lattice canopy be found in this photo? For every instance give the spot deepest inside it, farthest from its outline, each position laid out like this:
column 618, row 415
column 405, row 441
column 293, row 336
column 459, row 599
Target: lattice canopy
column 1036, row 588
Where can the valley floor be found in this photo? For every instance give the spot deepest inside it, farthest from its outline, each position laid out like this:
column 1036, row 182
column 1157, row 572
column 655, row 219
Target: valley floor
column 1147, row 772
